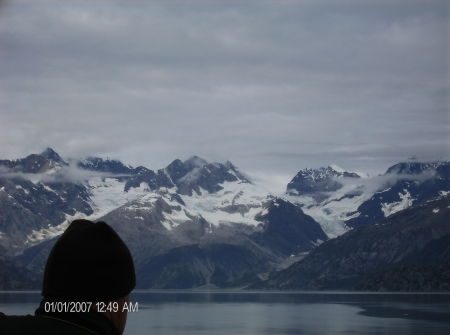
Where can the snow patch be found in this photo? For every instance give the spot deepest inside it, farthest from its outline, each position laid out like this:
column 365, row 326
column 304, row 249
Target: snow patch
column 353, row 216
column 144, row 203
column 235, row 203
column 317, row 242
column 405, row 201
column 175, row 218
column 19, row 187
column 37, row 236
column 265, row 211
column 49, row 189
column 108, row 194
column 337, row 168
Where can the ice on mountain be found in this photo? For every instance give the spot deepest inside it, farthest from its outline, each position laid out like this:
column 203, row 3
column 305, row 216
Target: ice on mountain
column 337, row 168
column 352, row 216
column 175, row 218
column 37, row 236
column 332, row 212
column 108, row 194
column 215, row 207
column 265, row 211
column 19, row 187
column 46, row 187
column 390, row 208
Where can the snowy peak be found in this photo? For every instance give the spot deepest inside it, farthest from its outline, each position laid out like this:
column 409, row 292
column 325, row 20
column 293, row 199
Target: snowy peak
column 105, row 165
column 195, row 162
column 340, row 172
column 52, row 155
column 195, row 191
column 196, row 174
column 236, row 172
column 35, row 163
column 336, row 168
column 176, row 170
column 323, row 179
column 133, row 177
column 415, row 168
column 338, row 202
column 408, row 183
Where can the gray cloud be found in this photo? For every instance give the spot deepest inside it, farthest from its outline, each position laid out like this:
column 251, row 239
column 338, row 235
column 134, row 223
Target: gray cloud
column 70, row 173
column 272, row 86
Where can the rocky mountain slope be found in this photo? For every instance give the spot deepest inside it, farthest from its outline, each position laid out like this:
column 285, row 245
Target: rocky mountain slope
column 374, row 256
column 14, row 275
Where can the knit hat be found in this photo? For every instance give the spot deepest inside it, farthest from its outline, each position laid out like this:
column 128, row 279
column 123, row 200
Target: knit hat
column 89, row 262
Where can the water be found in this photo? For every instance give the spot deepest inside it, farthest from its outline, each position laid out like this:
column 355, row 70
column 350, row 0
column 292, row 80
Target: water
column 273, row 313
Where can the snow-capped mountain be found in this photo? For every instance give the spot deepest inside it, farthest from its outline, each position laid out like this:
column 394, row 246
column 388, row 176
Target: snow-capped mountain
column 47, row 161
column 194, row 222
column 339, row 200
column 189, row 203
column 405, row 184
column 327, row 194
column 35, row 199
column 196, row 174
column 318, row 181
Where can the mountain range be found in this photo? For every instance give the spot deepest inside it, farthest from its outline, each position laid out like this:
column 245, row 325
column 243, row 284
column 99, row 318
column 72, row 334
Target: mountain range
column 195, row 223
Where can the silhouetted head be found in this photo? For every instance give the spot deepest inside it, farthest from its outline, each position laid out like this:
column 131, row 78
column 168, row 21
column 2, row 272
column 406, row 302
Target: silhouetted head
column 90, row 262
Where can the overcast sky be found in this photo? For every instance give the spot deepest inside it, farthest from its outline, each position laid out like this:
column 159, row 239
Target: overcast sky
column 272, row 86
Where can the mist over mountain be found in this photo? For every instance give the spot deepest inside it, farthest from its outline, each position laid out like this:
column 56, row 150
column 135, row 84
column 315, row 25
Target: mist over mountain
column 198, row 223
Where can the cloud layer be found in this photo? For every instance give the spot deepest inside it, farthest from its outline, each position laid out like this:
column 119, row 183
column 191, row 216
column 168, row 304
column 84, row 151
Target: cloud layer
column 273, row 86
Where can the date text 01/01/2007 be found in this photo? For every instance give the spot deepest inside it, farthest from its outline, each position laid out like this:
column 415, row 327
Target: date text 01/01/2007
column 87, row 306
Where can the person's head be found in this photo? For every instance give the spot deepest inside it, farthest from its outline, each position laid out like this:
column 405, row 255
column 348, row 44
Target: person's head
column 90, row 262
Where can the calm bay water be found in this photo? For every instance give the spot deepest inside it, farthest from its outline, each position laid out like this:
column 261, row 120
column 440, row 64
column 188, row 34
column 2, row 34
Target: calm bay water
column 272, row 313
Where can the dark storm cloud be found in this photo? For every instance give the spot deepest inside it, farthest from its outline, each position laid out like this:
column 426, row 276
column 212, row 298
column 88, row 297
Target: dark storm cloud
column 273, row 86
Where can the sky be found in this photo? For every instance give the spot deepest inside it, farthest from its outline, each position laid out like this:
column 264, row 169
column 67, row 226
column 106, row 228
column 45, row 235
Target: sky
column 273, row 86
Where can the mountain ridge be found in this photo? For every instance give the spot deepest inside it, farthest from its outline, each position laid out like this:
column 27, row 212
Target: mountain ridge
column 192, row 209
column 187, row 204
